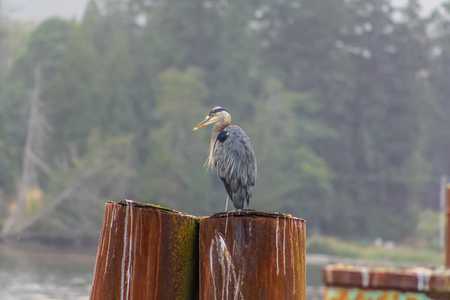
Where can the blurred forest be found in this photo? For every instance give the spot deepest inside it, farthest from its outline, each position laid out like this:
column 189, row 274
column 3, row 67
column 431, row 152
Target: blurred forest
column 346, row 101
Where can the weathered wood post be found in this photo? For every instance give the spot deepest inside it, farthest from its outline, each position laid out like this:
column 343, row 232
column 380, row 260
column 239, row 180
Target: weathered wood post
column 447, row 226
column 146, row 252
column 252, row 255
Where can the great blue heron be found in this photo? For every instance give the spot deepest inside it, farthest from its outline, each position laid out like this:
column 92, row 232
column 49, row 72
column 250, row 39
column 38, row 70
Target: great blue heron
column 231, row 154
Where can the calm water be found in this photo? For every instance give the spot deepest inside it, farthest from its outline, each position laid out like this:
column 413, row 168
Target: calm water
column 42, row 273
column 37, row 273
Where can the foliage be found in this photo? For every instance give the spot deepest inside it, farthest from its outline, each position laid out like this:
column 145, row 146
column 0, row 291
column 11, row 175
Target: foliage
column 174, row 161
column 428, row 229
column 400, row 255
column 345, row 102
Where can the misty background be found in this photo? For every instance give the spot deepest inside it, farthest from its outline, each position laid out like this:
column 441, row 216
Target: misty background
column 41, row 9
column 346, row 102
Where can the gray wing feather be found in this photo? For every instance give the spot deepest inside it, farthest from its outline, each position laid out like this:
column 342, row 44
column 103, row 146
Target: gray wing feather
column 235, row 163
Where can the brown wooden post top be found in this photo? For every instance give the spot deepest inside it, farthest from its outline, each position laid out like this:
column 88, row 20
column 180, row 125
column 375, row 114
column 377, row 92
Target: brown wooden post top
column 252, row 255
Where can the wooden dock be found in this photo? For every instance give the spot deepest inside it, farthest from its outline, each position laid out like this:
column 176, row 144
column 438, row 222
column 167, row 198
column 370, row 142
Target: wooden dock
column 351, row 282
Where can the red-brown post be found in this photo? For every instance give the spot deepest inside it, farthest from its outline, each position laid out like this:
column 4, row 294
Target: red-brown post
column 252, row 255
column 433, row 282
column 447, row 243
column 146, row 252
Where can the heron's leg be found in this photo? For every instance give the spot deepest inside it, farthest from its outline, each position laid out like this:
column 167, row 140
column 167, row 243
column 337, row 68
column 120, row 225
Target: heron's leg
column 226, row 212
column 226, row 203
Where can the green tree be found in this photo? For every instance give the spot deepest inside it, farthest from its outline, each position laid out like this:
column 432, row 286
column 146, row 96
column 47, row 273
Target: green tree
column 361, row 60
column 173, row 172
column 380, row 124
column 346, row 112
column 291, row 174
column 436, row 106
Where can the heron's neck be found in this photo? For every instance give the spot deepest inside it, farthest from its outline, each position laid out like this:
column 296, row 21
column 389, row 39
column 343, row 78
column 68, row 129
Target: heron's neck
column 218, row 128
column 214, row 133
column 210, row 161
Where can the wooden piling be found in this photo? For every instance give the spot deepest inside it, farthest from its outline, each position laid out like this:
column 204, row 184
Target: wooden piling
column 252, row 255
column 447, row 226
column 146, row 252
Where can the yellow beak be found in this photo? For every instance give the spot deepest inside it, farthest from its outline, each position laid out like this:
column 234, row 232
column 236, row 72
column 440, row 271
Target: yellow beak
column 207, row 121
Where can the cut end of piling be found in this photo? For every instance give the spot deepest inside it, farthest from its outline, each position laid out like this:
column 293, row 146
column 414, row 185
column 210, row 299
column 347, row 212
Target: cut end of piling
column 255, row 214
column 163, row 209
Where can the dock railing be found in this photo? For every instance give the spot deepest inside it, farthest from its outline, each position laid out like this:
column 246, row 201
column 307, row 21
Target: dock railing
column 350, row 282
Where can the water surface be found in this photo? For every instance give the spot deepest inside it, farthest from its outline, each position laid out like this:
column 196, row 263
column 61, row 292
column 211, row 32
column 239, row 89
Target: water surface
column 30, row 272
column 43, row 273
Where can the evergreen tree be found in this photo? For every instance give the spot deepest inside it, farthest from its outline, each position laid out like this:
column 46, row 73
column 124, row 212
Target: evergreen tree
column 347, row 114
column 174, row 168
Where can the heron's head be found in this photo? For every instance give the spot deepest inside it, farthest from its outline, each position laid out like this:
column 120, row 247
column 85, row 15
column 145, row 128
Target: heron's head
column 218, row 116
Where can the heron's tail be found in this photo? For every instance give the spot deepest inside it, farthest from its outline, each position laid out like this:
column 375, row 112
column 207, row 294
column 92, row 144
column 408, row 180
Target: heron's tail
column 241, row 198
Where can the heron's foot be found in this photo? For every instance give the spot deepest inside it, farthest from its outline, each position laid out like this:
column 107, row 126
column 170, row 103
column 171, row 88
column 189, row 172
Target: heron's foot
column 127, row 202
column 241, row 210
column 245, row 210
